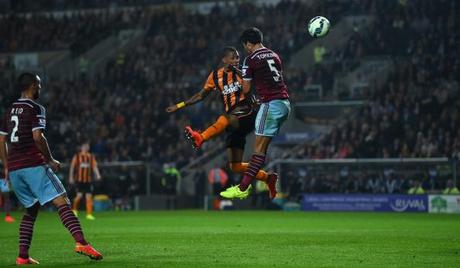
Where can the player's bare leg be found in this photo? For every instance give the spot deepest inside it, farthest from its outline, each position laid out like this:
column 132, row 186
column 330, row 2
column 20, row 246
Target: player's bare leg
column 26, row 229
column 7, row 208
column 71, row 222
column 76, row 203
column 89, row 206
column 238, row 166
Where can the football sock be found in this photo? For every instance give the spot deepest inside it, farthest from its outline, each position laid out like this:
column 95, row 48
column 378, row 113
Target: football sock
column 76, row 203
column 216, row 128
column 242, row 167
column 26, row 230
column 71, row 223
column 89, row 205
column 256, row 163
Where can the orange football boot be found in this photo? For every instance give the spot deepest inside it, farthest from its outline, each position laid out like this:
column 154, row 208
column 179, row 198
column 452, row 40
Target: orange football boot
column 194, row 136
column 9, row 219
column 21, row 261
column 88, row 250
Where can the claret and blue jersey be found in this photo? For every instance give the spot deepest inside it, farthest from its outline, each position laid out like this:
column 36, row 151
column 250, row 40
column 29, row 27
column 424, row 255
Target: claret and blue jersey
column 263, row 68
column 31, row 179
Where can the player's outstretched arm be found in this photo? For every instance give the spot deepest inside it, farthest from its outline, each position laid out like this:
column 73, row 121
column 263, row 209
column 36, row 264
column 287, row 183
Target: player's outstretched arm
column 194, row 99
column 43, row 147
column 4, row 155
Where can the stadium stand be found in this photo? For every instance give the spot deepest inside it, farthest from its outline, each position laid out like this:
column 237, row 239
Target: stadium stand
column 111, row 108
column 75, row 31
column 414, row 114
column 133, row 77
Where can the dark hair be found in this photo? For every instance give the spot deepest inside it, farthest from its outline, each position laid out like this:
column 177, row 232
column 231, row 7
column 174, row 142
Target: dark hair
column 252, row 35
column 25, row 80
column 225, row 50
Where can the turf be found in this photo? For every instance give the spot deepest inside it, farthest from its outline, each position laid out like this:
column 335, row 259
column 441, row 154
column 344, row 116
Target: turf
column 247, row 239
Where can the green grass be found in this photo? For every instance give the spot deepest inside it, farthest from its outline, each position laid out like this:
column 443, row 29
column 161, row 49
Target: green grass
column 247, row 239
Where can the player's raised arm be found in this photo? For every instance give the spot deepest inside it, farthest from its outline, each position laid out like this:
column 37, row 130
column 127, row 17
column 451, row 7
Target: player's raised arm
column 194, row 99
column 209, row 86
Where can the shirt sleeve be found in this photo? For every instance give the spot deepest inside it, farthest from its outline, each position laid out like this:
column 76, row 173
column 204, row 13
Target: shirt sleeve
column 247, row 70
column 39, row 118
column 210, row 85
column 3, row 124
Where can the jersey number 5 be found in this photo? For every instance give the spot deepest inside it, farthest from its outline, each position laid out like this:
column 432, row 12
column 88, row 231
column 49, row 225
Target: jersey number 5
column 14, row 133
column 277, row 76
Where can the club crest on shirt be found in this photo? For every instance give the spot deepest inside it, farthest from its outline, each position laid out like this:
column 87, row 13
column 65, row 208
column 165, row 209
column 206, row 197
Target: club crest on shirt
column 231, row 88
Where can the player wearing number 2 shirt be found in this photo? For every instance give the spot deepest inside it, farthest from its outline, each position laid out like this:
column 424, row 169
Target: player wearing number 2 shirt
column 23, row 117
column 30, row 166
column 261, row 68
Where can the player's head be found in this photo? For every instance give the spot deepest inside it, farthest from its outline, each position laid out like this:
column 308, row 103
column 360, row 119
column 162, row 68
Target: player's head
column 230, row 56
column 30, row 84
column 250, row 38
column 84, row 147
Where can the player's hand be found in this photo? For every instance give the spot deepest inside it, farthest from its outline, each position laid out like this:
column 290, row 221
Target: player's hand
column 55, row 165
column 172, row 109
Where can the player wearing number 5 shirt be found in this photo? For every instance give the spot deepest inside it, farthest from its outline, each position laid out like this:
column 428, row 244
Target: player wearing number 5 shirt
column 263, row 69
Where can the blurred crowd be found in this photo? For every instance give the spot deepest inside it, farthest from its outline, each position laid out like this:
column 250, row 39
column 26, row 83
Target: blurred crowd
column 367, row 180
column 415, row 113
column 422, row 32
column 75, row 31
column 122, row 108
column 61, row 5
column 403, row 119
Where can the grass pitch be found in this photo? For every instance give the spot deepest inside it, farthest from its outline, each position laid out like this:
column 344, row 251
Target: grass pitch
column 246, row 239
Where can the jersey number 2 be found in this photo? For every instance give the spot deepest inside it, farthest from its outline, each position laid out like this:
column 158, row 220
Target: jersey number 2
column 277, row 76
column 14, row 133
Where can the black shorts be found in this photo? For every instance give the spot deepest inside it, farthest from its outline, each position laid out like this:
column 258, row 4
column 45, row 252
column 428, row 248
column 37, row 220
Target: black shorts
column 246, row 113
column 84, row 187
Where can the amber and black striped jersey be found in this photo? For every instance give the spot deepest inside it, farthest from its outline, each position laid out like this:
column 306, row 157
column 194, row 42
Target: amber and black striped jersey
column 84, row 165
column 230, row 85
